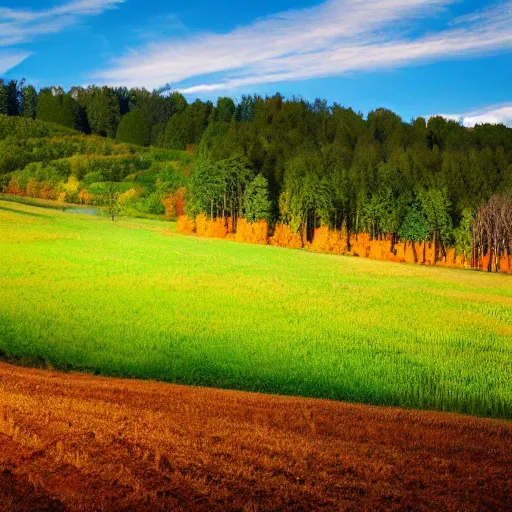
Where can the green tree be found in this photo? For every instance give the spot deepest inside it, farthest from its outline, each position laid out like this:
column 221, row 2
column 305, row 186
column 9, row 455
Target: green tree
column 414, row 228
column 57, row 108
column 188, row 126
column 464, row 235
column 179, row 102
column 133, row 129
column 13, row 106
column 177, row 133
column 436, row 208
column 308, row 198
column 3, row 98
column 102, row 107
column 29, row 102
column 112, row 199
column 154, row 108
column 224, row 111
column 245, row 109
column 208, row 188
column 257, row 205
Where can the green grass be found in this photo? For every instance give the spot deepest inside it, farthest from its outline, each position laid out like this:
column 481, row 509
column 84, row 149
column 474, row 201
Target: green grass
column 123, row 299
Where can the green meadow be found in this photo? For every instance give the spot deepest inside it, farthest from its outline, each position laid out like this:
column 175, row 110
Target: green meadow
column 134, row 299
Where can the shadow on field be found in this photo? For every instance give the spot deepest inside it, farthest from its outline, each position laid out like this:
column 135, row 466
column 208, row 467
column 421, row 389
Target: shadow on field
column 21, row 212
column 20, row 495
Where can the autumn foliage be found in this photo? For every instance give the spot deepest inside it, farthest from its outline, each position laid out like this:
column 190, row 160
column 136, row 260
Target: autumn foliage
column 185, row 225
column 331, row 242
column 252, row 232
column 175, row 204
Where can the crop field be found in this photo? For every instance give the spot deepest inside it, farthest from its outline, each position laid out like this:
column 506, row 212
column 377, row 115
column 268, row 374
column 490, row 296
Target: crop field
column 133, row 299
column 84, row 443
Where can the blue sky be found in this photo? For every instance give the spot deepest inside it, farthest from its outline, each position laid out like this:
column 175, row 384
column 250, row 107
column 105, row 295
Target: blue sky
column 417, row 57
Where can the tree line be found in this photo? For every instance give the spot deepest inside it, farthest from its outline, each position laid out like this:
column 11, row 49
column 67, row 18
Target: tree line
column 305, row 163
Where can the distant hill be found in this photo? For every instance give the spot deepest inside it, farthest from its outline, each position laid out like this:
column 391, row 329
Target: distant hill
column 48, row 161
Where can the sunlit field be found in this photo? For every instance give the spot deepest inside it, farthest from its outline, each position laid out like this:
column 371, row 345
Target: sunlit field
column 133, row 299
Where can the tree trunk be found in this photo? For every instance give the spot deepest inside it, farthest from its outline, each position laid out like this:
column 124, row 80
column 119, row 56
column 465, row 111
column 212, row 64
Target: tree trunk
column 443, row 250
column 348, row 232
column 435, row 247
column 473, row 252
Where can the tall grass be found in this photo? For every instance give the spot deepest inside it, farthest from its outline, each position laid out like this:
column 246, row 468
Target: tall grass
column 123, row 299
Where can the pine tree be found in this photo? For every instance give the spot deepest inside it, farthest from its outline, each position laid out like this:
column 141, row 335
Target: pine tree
column 29, row 102
column 257, row 204
column 13, row 107
column 3, row 98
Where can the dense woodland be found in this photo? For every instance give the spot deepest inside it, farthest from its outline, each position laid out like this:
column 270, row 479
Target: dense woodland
column 290, row 161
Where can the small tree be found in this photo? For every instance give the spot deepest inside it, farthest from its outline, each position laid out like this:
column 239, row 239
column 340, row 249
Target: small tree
column 29, row 102
column 3, row 98
column 436, row 208
column 464, row 235
column 112, row 200
column 256, row 201
column 414, row 228
column 493, row 230
column 13, row 90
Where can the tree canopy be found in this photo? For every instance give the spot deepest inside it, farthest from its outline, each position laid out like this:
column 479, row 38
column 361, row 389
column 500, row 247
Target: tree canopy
column 315, row 163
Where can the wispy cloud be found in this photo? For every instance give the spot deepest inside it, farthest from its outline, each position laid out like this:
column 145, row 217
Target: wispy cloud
column 19, row 26
column 9, row 60
column 336, row 37
column 494, row 114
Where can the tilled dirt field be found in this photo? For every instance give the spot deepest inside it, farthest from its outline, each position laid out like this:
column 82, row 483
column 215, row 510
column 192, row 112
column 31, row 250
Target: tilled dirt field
column 79, row 442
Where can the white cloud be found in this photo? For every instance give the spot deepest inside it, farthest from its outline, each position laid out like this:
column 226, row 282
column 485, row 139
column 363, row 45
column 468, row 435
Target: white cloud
column 18, row 26
column 9, row 60
column 336, row 37
column 494, row 114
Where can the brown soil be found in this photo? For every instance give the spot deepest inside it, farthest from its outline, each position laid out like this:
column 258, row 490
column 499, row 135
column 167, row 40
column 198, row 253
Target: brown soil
column 78, row 442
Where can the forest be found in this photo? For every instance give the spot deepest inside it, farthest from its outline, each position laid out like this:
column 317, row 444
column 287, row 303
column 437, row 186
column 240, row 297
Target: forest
column 289, row 162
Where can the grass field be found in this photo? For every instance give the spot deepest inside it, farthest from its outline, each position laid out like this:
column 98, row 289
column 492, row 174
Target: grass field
column 123, row 299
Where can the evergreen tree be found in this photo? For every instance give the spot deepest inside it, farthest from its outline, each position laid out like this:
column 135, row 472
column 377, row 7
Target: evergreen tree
column 224, row 111
column 245, row 109
column 29, row 102
column 188, row 126
column 101, row 105
column 3, row 98
column 133, row 129
column 13, row 106
column 257, row 205
column 179, row 102
column 57, row 108
column 176, row 132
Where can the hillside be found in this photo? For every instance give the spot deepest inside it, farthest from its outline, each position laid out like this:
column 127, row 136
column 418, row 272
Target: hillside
column 82, row 443
column 47, row 161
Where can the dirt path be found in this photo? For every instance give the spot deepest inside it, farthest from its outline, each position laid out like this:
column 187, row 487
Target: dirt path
column 78, row 442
